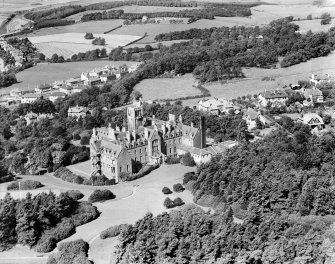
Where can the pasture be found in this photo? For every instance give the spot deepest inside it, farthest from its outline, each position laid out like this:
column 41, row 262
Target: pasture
column 313, row 25
column 252, row 84
column 67, row 44
column 47, row 73
column 167, row 88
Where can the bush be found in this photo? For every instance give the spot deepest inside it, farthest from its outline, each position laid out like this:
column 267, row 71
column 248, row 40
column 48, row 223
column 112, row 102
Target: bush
column 168, row 203
column 99, row 41
column 187, row 160
column 178, row 202
column 76, row 136
column 84, row 213
column 112, row 231
column 101, row 180
column 24, row 185
column 89, row 36
column 178, row 187
column 189, row 176
column 100, row 196
column 85, row 140
column 172, row 160
column 166, row 190
column 74, row 194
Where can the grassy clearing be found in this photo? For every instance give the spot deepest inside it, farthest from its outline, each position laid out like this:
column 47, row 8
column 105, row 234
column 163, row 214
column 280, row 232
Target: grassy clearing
column 167, row 88
column 82, row 169
column 47, row 73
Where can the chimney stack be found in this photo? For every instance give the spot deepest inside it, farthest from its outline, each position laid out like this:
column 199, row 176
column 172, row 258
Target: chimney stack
column 172, row 118
column 163, row 128
column 111, row 132
column 203, row 131
column 128, row 136
column 146, row 133
column 134, row 135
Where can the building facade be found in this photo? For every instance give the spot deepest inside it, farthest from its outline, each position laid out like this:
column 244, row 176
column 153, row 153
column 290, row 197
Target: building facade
column 147, row 140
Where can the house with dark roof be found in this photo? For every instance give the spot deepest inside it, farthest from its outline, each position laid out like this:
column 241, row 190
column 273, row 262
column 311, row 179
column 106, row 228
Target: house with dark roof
column 273, row 98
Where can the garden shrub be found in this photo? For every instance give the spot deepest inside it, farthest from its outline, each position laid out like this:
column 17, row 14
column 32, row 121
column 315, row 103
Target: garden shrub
column 100, row 196
column 166, row 190
column 74, row 194
column 178, row 202
column 112, row 231
column 187, row 160
column 144, row 171
column 85, row 140
column 172, row 160
column 178, row 187
column 24, row 185
column 168, row 203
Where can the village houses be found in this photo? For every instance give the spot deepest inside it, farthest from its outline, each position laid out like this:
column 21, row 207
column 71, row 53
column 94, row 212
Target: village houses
column 215, row 106
column 318, row 79
column 77, row 112
column 273, row 98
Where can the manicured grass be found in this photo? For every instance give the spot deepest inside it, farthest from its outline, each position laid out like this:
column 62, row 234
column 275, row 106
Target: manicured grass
column 48, row 73
column 167, row 88
column 313, row 25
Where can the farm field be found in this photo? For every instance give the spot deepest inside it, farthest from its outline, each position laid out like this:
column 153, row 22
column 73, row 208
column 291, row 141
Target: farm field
column 152, row 9
column 313, row 25
column 67, row 44
column 297, row 11
column 46, row 73
column 167, row 88
column 252, row 84
column 95, row 27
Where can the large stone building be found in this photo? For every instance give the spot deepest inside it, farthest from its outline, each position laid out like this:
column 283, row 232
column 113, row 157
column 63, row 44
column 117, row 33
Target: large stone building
column 147, row 140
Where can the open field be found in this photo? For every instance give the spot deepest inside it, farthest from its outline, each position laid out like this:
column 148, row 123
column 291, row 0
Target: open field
column 95, row 27
column 252, row 84
column 167, row 88
column 297, row 11
column 152, row 9
column 67, row 44
column 47, row 73
column 313, row 25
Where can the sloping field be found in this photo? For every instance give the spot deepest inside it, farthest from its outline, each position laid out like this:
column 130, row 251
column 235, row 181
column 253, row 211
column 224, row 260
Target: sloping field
column 167, row 88
column 152, row 9
column 95, row 27
column 67, row 44
column 297, row 11
column 252, row 84
column 313, row 25
column 47, row 73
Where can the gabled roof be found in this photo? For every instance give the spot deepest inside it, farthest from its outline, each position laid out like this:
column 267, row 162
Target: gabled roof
column 312, row 119
column 114, row 148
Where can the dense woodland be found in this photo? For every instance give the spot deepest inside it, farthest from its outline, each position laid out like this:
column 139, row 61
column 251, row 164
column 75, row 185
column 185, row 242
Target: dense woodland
column 194, row 14
column 41, row 221
column 280, row 187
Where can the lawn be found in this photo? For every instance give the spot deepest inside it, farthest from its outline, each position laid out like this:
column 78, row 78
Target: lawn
column 47, row 73
column 67, row 44
column 83, row 169
column 167, row 88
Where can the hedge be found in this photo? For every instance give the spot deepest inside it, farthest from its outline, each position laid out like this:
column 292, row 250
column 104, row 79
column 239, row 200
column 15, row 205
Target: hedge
column 144, row 171
column 112, row 231
column 24, row 185
column 189, row 176
column 100, row 196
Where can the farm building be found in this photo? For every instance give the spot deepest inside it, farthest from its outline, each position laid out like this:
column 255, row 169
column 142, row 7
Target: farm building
column 274, row 97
